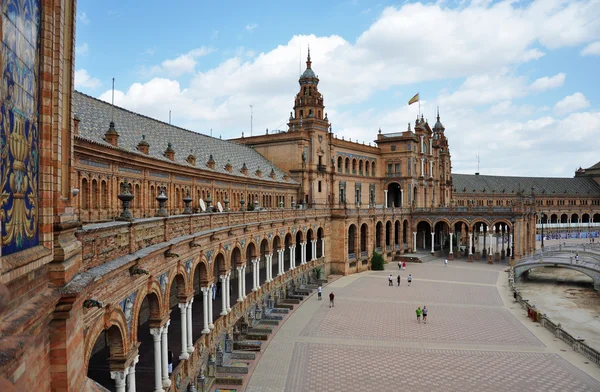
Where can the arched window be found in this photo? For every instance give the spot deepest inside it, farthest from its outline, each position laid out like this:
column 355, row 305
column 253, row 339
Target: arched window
column 84, row 194
column 347, row 165
column 94, row 194
column 367, row 167
column 373, row 169
column 360, row 167
column 339, row 164
column 103, row 194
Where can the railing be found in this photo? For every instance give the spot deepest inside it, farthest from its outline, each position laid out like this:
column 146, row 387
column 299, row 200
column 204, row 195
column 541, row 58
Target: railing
column 102, row 242
column 363, row 253
column 378, row 249
column 557, row 330
column 351, row 256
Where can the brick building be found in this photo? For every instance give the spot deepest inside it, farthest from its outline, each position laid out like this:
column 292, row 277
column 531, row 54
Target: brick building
column 115, row 250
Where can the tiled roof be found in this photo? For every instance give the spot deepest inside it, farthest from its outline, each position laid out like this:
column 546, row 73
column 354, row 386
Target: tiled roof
column 95, row 116
column 577, row 186
column 596, row 166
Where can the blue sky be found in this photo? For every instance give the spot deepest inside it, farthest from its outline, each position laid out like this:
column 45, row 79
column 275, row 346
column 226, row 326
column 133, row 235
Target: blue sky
column 516, row 81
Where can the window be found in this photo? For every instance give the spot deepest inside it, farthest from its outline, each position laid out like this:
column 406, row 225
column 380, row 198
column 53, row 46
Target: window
column 397, row 168
column 319, row 186
column 389, row 168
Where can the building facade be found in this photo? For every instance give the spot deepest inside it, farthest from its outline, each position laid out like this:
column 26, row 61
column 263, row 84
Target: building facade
column 124, row 238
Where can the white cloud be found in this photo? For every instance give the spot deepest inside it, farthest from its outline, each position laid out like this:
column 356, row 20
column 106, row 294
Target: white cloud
column 547, row 83
column 480, row 45
column 571, row 103
column 82, row 50
column 592, row 49
column 251, row 26
column 183, row 64
column 84, row 80
column 83, row 18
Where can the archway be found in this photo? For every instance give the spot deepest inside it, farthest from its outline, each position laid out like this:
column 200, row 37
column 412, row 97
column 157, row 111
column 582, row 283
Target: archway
column 286, row 254
column 352, row 242
column 394, row 195
column 364, row 235
column 177, row 295
column 424, row 235
column 262, row 269
column 388, row 235
column 378, row 235
column 320, row 242
column 249, row 276
column 299, row 240
column 276, row 262
column 148, row 317
column 397, row 235
column 109, row 345
column 309, row 248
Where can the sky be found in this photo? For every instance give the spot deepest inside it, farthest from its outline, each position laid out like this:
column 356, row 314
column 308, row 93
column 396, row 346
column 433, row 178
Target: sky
column 516, row 82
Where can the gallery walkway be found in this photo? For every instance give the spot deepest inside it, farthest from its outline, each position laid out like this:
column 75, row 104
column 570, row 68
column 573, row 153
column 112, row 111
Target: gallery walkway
column 476, row 338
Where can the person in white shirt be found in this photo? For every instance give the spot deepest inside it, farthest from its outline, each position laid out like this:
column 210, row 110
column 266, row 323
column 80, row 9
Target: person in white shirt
column 390, row 280
column 320, row 292
column 446, row 262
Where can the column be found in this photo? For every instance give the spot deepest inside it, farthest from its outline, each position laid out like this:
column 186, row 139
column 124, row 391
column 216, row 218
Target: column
column 156, row 335
column 190, row 339
column 205, row 299
column 280, row 262
column 244, row 280
column 385, row 201
column 223, row 294
column 414, row 241
column 131, row 376
column 323, row 247
column 432, row 241
column 228, row 293
column 423, row 171
column 269, row 266
column 240, row 284
column 431, row 168
column 451, row 235
column 470, row 243
column 292, row 263
column 254, row 275
column 183, row 311
column 401, row 197
column 119, row 378
column 303, row 253
column 166, row 382
column 210, row 307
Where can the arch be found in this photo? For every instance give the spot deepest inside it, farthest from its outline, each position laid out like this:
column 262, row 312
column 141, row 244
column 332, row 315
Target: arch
column 220, row 265
column 115, row 326
column 564, row 218
column 405, row 229
column 378, row 235
column 388, row 234
column 415, row 197
column 596, row 218
column 394, row 195
column 553, row 218
column 250, row 252
column 592, row 273
column 309, row 250
column 103, row 195
column 367, row 168
column 236, row 257
column 396, row 233
column 585, row 218
column 373, row 169
column 299, row 237
column 152, row 292
column 320, row 232
column 353, row 165
column 575, row 218
column 95, row 204
column 180, row 286
column 424, row 228
column 339, row 164
column 84, row 194
column 360, row 167
column 364, row 238
column 200, row 272
column 347, row 165
column 352, row 240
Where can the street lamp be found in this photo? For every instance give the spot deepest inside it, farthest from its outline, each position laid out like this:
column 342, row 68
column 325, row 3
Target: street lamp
column 543, row 231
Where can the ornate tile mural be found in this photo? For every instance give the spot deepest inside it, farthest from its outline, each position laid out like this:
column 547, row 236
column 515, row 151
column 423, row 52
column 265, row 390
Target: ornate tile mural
column 19, row 132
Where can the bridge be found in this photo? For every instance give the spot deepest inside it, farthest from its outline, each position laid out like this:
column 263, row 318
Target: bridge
column 584, row 258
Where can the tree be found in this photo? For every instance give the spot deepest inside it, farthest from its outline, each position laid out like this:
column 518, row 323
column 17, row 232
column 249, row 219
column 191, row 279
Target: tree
column 377, row 262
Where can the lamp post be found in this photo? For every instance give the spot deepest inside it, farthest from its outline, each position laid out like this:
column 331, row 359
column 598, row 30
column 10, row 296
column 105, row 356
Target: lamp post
column 512, row 230
column 542, row 231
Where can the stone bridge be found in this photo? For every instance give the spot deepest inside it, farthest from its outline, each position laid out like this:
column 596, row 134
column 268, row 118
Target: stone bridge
column 587, row 263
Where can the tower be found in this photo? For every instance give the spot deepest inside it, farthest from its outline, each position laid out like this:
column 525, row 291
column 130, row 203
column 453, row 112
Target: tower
column 308, row 105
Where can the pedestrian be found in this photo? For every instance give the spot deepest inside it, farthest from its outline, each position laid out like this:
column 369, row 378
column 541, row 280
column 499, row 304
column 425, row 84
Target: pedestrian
column 170, row 361
column 399, row 265
column 419, row 311
column 398, row 279
column 409, row 279
column 576, row 258
column 214, row 292
column 390, row 280
column 331, row 297
column 404, row 265
column 446, row 262
column 319, row 292
column 425, row 314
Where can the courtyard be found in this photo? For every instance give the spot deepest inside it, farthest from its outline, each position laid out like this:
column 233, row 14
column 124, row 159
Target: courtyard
column 476, row 338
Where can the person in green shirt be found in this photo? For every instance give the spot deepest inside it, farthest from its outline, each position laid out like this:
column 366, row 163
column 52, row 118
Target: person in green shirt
column 419, row 311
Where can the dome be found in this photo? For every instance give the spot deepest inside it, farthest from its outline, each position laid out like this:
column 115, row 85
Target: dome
column 308, row 74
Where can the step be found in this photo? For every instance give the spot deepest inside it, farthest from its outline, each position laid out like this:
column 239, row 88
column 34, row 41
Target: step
column 247, row 345
column 312, row 286
column 232, row 369
column 270, row 322
column 242, row 355
column 264, row 330
column 271, row 317
column 302, row 292
column 289, row 301
column 229, row 380
column 257, row 336
column 298, row 297
column 282, row 309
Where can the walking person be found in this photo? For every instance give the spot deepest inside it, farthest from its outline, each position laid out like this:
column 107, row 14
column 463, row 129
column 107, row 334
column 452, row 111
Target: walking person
column 398, row 279
column 399, row 265
column 404, row 265
column 419, row 311
column 331, row 297
column 319, row 292
column 425, row 314
column 390, row 280
column 446, row 262
column 170, row 361
column 409, row 279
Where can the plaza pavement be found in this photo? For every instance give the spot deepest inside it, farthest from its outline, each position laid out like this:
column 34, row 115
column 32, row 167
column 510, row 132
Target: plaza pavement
column 476, row 338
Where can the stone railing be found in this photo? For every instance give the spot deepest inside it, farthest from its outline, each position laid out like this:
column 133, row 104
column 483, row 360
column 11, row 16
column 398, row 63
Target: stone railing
column 557, row 330
column 102, row 242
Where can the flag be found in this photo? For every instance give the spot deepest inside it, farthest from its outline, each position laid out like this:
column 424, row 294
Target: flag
column 414, row 99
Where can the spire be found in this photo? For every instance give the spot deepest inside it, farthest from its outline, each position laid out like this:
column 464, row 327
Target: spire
column 308, row 62
column 438, row 113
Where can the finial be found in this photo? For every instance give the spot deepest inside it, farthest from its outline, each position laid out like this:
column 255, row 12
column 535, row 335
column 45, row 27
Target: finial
column 308, row 62
column 438, row 113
